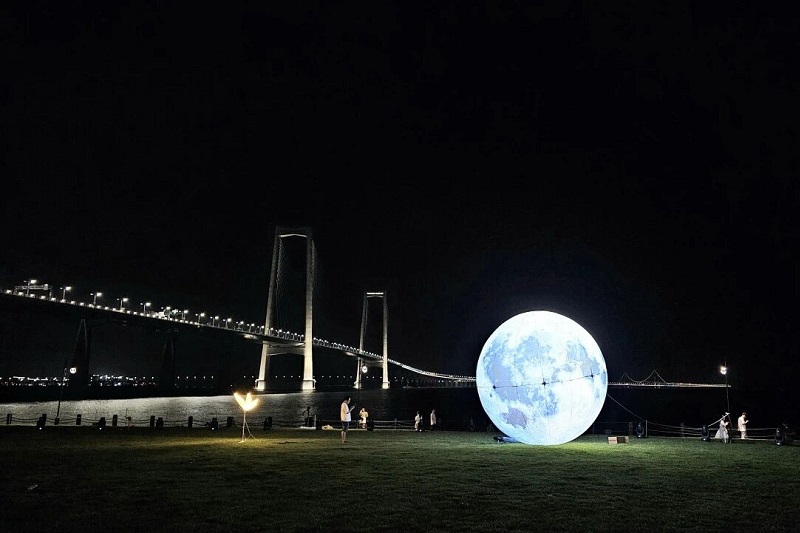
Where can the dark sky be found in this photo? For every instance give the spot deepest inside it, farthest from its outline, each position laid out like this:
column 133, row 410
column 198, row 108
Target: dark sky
column 633, row 167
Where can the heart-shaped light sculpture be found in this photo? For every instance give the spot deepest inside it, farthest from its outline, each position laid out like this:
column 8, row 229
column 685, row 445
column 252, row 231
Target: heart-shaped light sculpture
column 247, row 403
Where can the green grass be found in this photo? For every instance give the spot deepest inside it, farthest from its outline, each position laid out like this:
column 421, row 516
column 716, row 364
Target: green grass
column 179, row 479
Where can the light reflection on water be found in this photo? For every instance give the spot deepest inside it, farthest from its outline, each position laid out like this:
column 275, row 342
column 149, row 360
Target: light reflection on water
column 287, row 409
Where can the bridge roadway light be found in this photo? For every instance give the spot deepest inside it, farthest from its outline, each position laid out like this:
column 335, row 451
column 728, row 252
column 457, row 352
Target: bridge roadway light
column 95, row 296
column 122, row 303
column 64, row 291
column 227, row 323
column 145, row 305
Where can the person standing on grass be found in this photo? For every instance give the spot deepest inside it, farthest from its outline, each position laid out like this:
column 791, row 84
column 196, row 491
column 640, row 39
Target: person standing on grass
column 743, row 425
column 344, row 415
column 433, row 419
column 722, row 432
column 418, row 422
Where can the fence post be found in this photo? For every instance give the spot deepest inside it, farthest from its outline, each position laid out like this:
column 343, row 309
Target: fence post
column 8, row 419
column 114, row 421
column 191, row 421
column 78, row 420
column 152, row 421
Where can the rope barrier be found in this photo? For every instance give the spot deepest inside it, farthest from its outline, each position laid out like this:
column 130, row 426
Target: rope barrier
column 754, row 434
column 157, row 421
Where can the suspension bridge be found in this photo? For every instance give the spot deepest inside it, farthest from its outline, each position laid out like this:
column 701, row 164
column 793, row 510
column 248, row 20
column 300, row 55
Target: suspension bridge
column 274, row 340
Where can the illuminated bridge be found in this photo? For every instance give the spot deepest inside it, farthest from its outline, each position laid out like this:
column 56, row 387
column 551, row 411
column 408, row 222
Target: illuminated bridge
column 274, row 340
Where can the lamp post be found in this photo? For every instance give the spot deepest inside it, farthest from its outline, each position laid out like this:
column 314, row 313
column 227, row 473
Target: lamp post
column 61, row 392
column 361, row 370
column 145, row 305
column 95, row 296
column 122, row 303
column 724, row 371
column 64, row 291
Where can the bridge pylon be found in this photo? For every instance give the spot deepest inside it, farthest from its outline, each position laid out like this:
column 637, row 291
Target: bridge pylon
column 364, row 315
column 267, row 350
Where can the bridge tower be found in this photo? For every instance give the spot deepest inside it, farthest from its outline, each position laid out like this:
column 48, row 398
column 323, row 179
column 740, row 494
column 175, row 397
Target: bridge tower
column 364, row 313
column 268, row 349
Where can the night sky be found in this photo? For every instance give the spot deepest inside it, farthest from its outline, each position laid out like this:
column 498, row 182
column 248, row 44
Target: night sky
column 633, row 167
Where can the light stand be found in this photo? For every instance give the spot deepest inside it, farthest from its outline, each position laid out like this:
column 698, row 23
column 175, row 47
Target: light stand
column 245, row 427
column 363, row 369
column 724, row 371
column 61, row 392
column 246, row 403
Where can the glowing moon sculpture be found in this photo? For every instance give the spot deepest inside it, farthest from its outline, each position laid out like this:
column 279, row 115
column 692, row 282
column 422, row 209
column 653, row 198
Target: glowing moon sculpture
column 541, row 378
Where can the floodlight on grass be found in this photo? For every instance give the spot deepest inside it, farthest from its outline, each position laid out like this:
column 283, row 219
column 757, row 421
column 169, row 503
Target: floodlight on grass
column 246, row 402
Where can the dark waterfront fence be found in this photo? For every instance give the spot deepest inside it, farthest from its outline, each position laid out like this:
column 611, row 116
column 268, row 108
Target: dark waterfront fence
column 212, row 423
column 660, row 413
column 632, row 429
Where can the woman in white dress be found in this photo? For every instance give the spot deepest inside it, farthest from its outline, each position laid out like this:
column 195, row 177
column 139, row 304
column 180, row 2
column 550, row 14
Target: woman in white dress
column 722, row 432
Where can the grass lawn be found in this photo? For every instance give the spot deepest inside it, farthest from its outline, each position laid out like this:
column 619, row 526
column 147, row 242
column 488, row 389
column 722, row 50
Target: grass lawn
column 178, row 479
